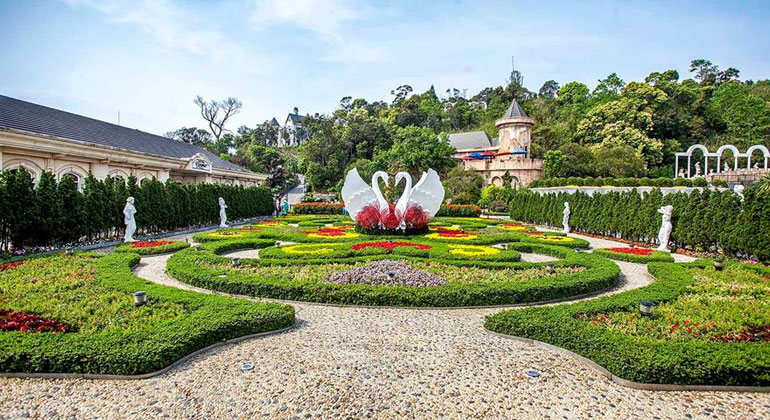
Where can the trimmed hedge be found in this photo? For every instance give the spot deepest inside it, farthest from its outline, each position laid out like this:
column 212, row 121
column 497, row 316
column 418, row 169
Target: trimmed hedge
column 459, row 210
column 161, row 249
column 703, row 220
column 208, row 319
column 317, row 208
column 192, row 267
column 656, row 256
column 641, row 359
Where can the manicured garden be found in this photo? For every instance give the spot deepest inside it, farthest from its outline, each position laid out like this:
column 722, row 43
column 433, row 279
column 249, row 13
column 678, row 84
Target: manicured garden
column 76, row 314
column 458, row 262
column 709, row 327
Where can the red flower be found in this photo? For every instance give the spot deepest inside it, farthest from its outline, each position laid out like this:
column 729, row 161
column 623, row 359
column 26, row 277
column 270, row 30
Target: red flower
column 149, row 244
column 8, row 266
column 452, row 234
column 26, row 322
column 250, row 229
column 328, row 231
column 635, row 251
column 388, row 245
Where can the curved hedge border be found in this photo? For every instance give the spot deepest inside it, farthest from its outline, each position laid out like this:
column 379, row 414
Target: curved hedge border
column 162, row 249
column 641, row 359
column 656, row 256
column 187, row 266
column 209, row 319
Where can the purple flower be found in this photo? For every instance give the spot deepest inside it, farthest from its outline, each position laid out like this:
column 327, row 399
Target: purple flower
column 386, row 273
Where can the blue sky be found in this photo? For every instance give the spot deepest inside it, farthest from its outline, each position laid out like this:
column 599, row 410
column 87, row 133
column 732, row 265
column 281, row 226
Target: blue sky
column 149, row 59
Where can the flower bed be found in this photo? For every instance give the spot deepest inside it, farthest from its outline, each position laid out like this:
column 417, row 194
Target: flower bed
column 106, row 333
column 389, row 245
column 386, row 273
column 151, row 247
column 11, row 265
column 459, row 210
column 635, row 255
column 25, row 322
column 708, row 327
column 488, row 278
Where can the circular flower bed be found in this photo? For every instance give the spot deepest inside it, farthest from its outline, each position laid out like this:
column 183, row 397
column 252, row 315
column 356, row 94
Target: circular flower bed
column 389, row 245
column 386, row 273
column 308, row 249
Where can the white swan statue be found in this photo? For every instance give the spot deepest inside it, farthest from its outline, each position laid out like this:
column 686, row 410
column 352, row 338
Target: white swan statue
column 363, row 202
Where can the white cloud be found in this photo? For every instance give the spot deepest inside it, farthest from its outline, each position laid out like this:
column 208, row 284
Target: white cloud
column 324, row 17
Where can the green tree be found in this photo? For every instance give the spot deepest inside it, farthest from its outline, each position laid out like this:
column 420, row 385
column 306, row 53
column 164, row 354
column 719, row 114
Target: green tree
column 49, row 210
column 415, row 149
column 462, row 187
column 554, row 163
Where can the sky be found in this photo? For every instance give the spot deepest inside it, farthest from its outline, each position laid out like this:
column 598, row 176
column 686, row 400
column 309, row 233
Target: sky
column 147, row 60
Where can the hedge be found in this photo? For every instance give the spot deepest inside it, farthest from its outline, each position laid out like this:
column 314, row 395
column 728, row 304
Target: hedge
column 55, row 213
column 459, row 210
column 623, row 182
column 641, row 359
column 199, row 268
column 702, row 220
column 208, row 319
column 317, row 208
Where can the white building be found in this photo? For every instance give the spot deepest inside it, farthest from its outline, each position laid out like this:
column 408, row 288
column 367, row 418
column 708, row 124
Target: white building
column 292, row 133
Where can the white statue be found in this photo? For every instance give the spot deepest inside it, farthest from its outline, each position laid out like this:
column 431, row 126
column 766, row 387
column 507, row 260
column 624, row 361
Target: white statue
column 681, row 173
column 756, row 166
column 367, row 206
column 565, row 218
column 128, row 217
column 727, row 167
column 697, row 168
column 665, row 227
column 738, row 190
column 222, row 213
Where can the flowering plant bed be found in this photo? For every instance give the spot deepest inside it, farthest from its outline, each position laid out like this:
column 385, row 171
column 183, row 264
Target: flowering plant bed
column 317, row 208
column 10, row 265
column 389, row 245
column 151, row 247
column 474, row 275
column 90, row 298
column 708, row 328
column 635, row 255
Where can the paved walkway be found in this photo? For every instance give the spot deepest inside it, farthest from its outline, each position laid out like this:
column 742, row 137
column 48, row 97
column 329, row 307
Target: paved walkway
column 346, row 362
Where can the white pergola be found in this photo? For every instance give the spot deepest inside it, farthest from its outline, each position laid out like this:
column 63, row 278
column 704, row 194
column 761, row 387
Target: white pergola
column 718, row 154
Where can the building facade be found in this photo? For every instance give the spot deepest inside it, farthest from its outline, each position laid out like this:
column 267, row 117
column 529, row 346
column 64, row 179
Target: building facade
column 36, row 138
column 292, row 133
column 507, row 155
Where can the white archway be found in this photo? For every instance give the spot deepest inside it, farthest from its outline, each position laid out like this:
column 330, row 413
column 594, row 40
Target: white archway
column 763, row 149
column 718, row 154
column 31, row 167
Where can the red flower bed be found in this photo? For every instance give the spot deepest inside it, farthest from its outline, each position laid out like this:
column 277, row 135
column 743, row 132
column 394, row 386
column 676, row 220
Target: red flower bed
column 449, row 233
column 8, row 266
column 749, row 334
column 149, row 244
column 22, row 321
column 388, row 245
column 634, row 251
column 317, row 208
column 327, row 231
column 250, row 229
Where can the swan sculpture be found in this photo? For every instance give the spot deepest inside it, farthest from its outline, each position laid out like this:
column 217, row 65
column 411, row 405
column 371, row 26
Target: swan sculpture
column 413, row 210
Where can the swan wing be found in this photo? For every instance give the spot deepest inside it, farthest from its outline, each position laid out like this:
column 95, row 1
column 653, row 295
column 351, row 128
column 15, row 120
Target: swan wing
column 428, row 192
column 356, row 193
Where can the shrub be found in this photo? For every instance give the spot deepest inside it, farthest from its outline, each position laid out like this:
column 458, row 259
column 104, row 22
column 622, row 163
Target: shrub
column 317, row 207
column 121, row 339
column 639, row 357
column 719, row 183
column 700, row 182
column 151, row 247
column 459, row 210
column 627, row 254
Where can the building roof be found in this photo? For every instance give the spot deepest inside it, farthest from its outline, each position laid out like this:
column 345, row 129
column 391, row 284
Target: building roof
column 514, row 111
column 470, row 140
column 25, row 116
column 274, row 122
column 295, row 118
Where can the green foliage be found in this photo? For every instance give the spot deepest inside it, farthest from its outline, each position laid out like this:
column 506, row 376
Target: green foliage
column 640, row 356
column 55, row 214
column 108, row 334
column 317, row 208
column 459, row 210
column 299, row 279
column 553, row 163
column 462, row 187
column 702, row 220
column 656, row 256
column 160, row 249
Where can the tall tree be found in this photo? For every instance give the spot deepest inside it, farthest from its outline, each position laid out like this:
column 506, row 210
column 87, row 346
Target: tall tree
column 216, row 113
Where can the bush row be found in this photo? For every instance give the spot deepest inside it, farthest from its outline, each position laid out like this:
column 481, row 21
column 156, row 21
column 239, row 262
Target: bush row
column 208, row 319
column 147, row 248
column 192, row 267
column 641, row 359
column 317, row 208
column 459, row 210
column 702, row 220
column 624, row 182
column 56, row 212
column 656, row 256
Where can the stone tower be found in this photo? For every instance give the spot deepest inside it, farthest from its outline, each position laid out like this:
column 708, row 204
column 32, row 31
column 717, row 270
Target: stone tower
column 515, row 130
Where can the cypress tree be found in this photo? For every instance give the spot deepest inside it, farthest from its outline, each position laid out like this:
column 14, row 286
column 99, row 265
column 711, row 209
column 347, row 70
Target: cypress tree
column 49, row 211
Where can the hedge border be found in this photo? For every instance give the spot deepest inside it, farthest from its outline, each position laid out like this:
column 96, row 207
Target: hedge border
column 174, row 246
column 639, row 359
column 209, row 319
column 600, row 275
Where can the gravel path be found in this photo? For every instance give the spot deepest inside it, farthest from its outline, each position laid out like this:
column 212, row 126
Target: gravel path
column 344, row 362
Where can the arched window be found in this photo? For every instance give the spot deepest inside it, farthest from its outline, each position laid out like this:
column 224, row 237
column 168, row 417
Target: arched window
column 74, row 177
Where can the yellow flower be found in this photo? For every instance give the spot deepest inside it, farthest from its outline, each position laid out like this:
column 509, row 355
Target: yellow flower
column 225, row 235
column 472, row 250
column 554, row 238
column 451, row 237
column 335, row 236
column 314, row 249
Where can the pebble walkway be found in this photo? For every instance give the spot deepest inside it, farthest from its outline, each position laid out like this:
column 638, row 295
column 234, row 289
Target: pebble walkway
column 346, row 362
